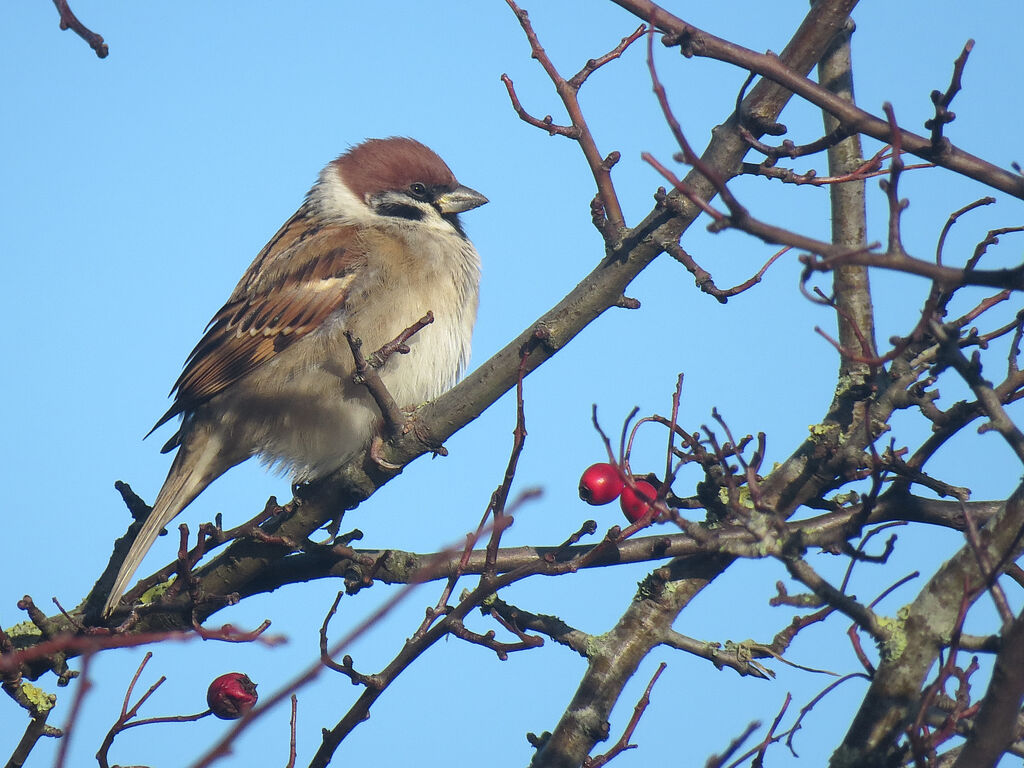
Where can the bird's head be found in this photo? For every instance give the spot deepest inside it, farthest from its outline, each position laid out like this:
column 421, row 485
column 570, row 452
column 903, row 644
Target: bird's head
column 396, row 182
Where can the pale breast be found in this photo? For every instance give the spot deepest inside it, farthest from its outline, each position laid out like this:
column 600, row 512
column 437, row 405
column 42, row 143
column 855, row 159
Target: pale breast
column 303, row 413
column 440, row 279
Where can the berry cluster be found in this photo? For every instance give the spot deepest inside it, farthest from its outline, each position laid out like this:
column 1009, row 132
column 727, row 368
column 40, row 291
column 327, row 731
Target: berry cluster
column 603, row 483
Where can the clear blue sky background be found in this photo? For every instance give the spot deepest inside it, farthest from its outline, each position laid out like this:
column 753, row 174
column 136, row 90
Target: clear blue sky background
column 135, row 191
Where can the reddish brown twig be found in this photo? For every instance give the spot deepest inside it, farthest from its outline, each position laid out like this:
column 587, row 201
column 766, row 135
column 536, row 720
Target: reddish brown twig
column 578, row 130
column 706, row 283
column 499, row 499
column 769, row 738
column 68, row 20
column 488, row 640
column 952, row 219
column 989, row 572
column 84, row 685
column 623, row 743
column 891, row 186
column 717, row 761
column 345, row 667
column 942, row 101
column 869, row 169
column 366, row 371
column 694, row 41
column 688, row 155
column 806, row 709
column 292, row 722
column 125, row 719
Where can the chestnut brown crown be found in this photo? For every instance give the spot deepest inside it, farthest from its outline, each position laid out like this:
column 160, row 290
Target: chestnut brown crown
column 394, row 163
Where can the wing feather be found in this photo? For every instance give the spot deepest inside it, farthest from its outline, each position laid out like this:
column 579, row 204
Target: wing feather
column 301, row 277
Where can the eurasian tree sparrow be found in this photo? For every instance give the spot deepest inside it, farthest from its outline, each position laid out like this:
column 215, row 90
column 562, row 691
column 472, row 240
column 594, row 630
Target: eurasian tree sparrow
column 374, row 247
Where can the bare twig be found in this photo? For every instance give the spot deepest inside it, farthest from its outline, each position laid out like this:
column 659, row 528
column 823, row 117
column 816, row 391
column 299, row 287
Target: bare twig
column 68, row 20
column 943, row 100
column 623, row 743
column 578, row 131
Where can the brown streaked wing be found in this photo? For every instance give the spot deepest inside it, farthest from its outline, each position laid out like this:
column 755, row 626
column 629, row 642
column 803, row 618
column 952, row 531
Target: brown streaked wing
column 291, row 288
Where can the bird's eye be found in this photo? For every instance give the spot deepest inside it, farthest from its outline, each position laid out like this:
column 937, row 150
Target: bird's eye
column 419, row 190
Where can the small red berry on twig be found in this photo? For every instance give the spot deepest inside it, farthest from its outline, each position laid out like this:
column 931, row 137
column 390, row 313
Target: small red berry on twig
column 600, row 484
column 635, row 502
column 230, row 696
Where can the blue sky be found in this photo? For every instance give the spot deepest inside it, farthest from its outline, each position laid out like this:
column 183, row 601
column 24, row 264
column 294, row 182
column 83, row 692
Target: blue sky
column 137, row 189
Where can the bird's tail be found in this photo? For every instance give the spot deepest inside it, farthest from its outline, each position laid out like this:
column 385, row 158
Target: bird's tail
column 192, row 470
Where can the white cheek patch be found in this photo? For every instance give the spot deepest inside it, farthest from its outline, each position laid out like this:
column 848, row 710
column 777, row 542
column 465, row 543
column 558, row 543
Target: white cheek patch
column 336, row 201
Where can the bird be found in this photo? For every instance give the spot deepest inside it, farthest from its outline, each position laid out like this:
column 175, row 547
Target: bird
column 376, row 244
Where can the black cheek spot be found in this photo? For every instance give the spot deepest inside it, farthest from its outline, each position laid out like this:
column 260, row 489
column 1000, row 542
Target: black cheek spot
column 401, row 211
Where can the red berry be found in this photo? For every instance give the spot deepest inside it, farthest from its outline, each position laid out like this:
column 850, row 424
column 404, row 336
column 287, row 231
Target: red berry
column 600, row 484
column 230, row 696
column 635, row 503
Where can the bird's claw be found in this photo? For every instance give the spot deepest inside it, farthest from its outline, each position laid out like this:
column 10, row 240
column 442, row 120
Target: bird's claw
column 376, row 445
